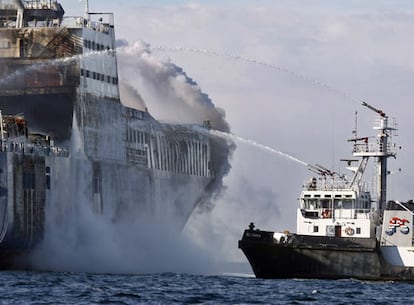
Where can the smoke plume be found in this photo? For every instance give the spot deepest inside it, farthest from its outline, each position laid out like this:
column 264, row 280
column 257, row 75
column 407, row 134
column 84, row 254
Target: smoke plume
column 171, row 95
column 130, row 96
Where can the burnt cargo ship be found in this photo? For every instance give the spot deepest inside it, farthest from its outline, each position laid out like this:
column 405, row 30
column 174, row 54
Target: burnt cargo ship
column 61, row 111
column 342, row 232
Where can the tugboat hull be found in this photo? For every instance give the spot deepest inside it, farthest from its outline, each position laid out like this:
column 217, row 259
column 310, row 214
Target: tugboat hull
column 310, row 257
column 300, row 256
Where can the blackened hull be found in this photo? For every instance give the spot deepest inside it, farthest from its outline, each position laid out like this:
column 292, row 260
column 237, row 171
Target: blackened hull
column 13, row 259
column 26, row 211
column 308, row 257
column 46, row 113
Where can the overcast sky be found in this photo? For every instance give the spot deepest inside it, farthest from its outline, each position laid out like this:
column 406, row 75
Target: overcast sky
column 325, row 58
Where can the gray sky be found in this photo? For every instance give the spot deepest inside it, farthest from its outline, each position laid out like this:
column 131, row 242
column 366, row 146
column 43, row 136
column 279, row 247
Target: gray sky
column 325, row 56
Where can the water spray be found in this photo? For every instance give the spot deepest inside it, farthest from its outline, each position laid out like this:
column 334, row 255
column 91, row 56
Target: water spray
column 301, row 76
column 233, row 137
column 46, row 63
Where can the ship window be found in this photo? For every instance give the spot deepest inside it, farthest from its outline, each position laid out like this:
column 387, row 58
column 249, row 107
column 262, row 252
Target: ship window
column 338, row 196
column 47, row 170
column 102, row 77
column 88, row 74
column 93, row 45
column 347, row 204
column 5, row 44
column 317, row 196
column 327, row 196
column 348, row 196
column 325, row 203
column 311, row 204
column 82, row 72
column 315, row 229
column 307, row 196
column 94, row 75
column 85, row 43
column 358, row 230
column 338, row 204
column 108, row 79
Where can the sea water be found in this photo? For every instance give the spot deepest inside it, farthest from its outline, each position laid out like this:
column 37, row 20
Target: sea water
column 20, row 287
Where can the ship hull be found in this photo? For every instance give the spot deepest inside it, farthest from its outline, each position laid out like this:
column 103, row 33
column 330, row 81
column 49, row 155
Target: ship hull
column 70, row 142
column 318, row 257
column 104, row 168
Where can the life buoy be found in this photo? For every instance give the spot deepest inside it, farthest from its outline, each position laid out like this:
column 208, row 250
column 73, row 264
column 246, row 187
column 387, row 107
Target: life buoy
column 349, row 231
column 326, row 213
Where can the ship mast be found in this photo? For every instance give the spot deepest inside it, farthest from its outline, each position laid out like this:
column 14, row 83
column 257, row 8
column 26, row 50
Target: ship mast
column 87, row 10
column 381, row 150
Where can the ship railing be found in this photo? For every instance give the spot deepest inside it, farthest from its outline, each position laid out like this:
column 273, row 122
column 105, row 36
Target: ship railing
column 362, row 213
column 39, row 5
column 328, row 186
column 81, row 22
column 373, row 148
column 31, row 148
column 7, row 6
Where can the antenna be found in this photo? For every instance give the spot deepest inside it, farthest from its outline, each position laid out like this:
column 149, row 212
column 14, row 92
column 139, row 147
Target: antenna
column 87, row 9
column 355, row 131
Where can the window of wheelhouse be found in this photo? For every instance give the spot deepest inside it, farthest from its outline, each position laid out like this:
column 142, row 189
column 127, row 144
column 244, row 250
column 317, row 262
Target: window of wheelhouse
column 343, row 203
column 310, row 204
column 326, row 203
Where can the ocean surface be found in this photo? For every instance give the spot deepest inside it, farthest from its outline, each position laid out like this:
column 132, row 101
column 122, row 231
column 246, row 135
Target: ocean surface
column 20, row 287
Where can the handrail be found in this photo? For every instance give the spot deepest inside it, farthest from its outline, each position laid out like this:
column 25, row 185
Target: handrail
column 32, row 148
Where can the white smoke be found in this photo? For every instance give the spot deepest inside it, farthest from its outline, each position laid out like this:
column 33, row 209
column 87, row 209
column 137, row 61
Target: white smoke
column 130, row 96
column 169, row 92
column 79, row 240
column 171, row 95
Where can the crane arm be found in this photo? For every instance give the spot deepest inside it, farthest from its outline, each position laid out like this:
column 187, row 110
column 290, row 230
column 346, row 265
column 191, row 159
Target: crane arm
column 380, row 112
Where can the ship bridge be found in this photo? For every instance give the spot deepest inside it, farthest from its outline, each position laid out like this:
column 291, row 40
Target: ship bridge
column 35, row 13
column 49, row 61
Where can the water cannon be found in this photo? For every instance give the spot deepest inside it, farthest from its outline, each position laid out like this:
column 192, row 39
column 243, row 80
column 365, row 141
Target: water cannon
column 320, row 170
column 349, row 161
column 380, row 112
